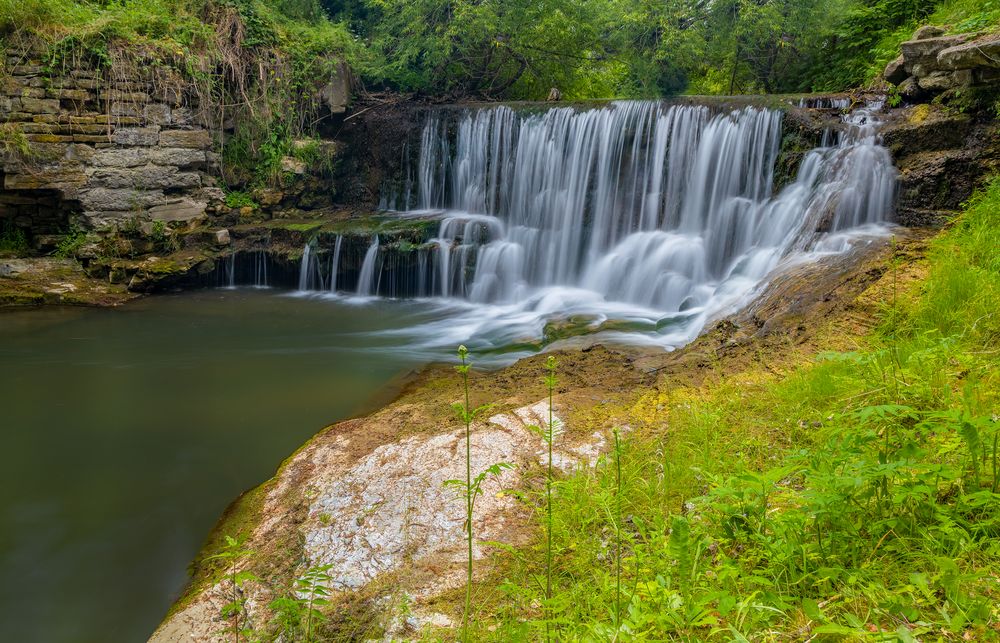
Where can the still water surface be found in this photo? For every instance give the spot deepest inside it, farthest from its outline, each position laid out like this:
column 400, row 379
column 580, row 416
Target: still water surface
column 127, row 432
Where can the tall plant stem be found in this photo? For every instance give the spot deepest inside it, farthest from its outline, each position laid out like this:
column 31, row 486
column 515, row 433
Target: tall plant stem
column 551, row 382
column 462, row 353
column 618, row 532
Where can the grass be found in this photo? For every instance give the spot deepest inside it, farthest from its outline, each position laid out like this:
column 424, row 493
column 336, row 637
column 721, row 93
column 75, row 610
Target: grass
column 854, row 497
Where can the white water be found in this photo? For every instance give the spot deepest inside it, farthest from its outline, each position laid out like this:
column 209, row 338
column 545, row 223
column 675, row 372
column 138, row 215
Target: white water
column 665, row 216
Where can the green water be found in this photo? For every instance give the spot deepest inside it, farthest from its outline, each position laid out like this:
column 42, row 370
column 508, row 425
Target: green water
column 127, row 432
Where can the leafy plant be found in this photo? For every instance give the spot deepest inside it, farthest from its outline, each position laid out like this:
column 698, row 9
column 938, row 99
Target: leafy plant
column 470, row 488
column 71, row 243
column 232, row 554
column 309, row 593
column 12, row 238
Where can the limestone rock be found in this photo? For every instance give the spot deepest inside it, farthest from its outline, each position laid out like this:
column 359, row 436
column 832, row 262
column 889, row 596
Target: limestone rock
column 293, row 165
column 940, row 81
column 928, row 31
column 981, row 53
column 222, row 238
column 925, row 51
column 895, row 72
column 157, row 114
column 179, row 156
column 40, row 105
column 194, row 139
column 336, row 94
column 136, row 136
column 117, row 199
column 126, row 157
column 184, row 210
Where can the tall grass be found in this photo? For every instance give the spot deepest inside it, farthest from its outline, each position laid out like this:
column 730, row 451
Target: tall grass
column 853, row 497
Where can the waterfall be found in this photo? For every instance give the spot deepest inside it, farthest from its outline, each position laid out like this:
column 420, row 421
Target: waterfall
column 310, row 274
column 671, row 208
column 366, row 287
column 335, row 263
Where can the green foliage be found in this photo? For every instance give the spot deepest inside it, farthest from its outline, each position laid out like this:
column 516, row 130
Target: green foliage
column 471, row 488
column 71, row 243
column 855, row 497
column 13, row 142
column 232, row 554
column 12, row 239
column 238, row 199
column 298, row 613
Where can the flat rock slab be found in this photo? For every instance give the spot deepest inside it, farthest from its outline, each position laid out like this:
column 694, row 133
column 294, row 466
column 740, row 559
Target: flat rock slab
column 46, row 280
column 393, row 511
column 981, row 53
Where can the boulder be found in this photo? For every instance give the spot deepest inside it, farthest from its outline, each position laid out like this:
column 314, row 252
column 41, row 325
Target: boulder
column 925, row 51
column 941, row 81
column 910, row 89
column 895, row 72
column 222, row 237
column 928, row 31
column 981, row 53
column 336, row 94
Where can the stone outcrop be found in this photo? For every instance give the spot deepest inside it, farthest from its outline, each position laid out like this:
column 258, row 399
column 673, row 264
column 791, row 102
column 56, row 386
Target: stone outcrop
column 932, row 63
column 943, row 157
column 102, row 150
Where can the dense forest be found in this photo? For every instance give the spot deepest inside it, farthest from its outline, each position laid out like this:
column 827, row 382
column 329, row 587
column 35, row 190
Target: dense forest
column 519, row 49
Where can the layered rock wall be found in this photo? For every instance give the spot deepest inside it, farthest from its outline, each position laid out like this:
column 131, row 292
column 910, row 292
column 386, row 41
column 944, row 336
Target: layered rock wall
column 84, row 145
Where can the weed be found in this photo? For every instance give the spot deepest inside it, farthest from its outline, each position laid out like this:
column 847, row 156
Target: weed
column 232, row 554
column 12, row 238
column 471, row 488
column 71, row 243
column 237, row 199
column 309, row 593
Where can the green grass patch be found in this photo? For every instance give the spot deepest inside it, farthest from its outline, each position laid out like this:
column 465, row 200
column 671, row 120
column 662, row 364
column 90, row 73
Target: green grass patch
column 854, row 498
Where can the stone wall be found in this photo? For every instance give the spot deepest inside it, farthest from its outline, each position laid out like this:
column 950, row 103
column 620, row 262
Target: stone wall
column 102, row 150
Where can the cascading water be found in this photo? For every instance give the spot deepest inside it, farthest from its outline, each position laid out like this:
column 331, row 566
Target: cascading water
column 368, row 279
column 636, row 211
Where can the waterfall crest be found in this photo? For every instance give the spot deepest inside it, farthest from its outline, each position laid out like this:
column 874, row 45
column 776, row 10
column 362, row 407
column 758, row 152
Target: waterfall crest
column 662, row 216
column 644, row 203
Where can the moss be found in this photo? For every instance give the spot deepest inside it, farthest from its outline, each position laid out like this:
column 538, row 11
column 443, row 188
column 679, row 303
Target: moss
column 302, row 227
column 920, row 114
